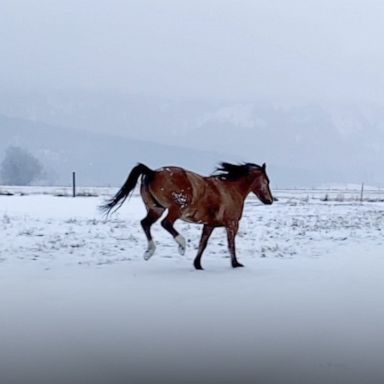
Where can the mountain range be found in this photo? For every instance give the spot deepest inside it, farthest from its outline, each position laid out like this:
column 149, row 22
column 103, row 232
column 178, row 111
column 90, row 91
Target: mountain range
column 102, row 135
column 98, row 159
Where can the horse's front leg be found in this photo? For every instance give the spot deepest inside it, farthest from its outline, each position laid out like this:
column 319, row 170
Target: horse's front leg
column 167, row 224
column 232, row 229
column 207, row 230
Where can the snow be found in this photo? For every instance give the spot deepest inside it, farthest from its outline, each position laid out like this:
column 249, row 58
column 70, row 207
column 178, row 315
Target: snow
column 80, row 304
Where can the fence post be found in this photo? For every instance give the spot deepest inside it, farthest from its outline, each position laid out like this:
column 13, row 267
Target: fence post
column 362, row 192
column 73, row 184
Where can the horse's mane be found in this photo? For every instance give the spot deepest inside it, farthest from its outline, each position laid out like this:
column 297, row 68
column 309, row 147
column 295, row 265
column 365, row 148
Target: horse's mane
column 228, row 171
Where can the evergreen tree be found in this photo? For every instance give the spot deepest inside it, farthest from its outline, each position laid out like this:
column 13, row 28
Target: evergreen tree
column 19, row 167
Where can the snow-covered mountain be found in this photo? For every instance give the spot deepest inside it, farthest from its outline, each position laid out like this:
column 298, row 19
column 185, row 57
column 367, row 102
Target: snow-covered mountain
column 98, row 159
column 303, row 145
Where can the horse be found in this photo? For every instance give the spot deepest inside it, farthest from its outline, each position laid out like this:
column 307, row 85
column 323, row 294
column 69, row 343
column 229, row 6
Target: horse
column 213, row 201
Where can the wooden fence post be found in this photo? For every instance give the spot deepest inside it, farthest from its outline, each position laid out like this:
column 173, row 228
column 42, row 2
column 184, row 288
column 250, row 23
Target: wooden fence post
column 362, row 192
column 73, row 184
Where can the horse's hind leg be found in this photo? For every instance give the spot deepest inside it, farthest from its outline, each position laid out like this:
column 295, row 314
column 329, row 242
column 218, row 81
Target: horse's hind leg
column 152, row 216
column 154, row 212
column 167, row 223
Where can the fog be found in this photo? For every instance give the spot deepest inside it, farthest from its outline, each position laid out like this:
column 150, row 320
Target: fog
column 305, row 50
column 293, row 77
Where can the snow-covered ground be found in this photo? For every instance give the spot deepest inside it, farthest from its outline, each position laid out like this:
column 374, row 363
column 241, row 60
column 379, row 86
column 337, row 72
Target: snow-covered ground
column 79, row 304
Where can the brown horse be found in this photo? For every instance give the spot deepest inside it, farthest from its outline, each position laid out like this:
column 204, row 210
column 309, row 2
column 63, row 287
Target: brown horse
column 214, row 201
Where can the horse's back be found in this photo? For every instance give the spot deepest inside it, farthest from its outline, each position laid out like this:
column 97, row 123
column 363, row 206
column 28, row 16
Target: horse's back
column 178, row 177
column 174, row 185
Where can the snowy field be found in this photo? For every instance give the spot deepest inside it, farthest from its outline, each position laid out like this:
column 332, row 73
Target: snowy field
column 80, row 305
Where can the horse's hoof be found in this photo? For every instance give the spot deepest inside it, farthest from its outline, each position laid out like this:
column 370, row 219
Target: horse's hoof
column 150, row 250
column 148, row 254
column 182, row 244
column 181, row 250
column 237, row 265
column 197, row 266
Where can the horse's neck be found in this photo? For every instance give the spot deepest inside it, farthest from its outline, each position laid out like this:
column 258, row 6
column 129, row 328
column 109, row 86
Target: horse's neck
column 241, row 187
column 244, row 186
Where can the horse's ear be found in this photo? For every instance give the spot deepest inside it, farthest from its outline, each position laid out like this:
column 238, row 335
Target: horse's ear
column 264, row 166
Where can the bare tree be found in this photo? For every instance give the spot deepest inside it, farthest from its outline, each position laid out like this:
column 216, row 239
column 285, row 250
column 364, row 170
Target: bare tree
column 19, row 167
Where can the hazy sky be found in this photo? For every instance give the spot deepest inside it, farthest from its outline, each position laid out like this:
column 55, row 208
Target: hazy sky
column 296, row 49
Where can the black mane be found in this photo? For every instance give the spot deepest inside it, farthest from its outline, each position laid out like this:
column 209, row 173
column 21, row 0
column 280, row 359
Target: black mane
column 228, row 171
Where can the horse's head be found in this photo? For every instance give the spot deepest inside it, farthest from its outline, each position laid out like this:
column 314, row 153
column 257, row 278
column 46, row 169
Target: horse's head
column 260, row 185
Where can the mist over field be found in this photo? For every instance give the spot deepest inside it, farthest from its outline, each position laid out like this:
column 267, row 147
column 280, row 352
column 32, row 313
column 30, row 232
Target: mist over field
column 298, row 85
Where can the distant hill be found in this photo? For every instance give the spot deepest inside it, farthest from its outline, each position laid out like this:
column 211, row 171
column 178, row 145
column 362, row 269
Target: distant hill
column 303, row 145
column 99, row 159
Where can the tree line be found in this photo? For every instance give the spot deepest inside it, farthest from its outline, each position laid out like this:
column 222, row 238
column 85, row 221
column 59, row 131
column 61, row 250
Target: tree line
column 19, row 167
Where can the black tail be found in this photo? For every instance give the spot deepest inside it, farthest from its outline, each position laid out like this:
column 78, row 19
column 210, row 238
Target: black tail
column 127, row 188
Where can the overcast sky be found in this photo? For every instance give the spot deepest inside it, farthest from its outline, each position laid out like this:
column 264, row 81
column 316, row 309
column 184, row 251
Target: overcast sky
column 285, row 50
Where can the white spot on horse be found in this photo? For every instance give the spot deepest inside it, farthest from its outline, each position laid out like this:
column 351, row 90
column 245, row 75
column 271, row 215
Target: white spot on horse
column 180, row 199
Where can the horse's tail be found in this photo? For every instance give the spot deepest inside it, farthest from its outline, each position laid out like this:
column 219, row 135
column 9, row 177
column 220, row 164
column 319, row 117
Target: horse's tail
column 127, row 188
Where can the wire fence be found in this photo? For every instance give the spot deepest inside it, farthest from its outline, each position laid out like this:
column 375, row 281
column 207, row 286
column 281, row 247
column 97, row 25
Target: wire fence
column 357, row 194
